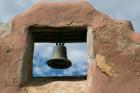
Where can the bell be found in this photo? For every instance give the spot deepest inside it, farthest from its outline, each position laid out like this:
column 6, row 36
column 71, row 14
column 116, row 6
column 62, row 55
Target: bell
column 59, row 58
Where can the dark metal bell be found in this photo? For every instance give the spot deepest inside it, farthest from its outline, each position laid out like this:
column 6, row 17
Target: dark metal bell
column 59, row 58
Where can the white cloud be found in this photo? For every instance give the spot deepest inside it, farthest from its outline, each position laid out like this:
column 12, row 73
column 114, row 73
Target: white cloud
column 37, row 71
column 77, row 69
column 44, row 49
column 76, row 53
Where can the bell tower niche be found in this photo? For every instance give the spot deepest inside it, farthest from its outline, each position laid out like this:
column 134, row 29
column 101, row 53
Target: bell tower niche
column 113, row 64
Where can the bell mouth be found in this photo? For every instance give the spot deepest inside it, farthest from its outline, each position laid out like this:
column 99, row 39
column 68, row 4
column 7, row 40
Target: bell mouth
column 59, row 63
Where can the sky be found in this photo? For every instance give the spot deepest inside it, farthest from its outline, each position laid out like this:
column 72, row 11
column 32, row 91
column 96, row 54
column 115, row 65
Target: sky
column 76, row 52
column 117, row 9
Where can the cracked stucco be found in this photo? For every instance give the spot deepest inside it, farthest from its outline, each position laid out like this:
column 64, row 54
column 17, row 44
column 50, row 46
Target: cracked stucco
column 104, row 67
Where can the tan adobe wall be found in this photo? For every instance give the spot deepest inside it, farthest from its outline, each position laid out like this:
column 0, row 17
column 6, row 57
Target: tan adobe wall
column 113, row 50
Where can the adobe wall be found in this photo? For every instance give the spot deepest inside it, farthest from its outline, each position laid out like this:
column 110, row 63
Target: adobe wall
column 113, row 46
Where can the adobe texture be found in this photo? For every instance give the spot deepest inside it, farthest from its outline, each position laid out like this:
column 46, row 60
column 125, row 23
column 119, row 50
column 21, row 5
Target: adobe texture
column 113, row 46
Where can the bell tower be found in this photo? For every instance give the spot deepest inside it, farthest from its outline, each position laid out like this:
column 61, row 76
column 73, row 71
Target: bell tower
column 113, row 49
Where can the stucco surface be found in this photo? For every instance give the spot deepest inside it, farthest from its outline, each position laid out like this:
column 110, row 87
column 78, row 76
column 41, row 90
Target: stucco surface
column 113, row 50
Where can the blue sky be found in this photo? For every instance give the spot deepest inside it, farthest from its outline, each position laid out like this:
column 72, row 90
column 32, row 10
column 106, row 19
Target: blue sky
column 118, row 9
column 76, row 52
